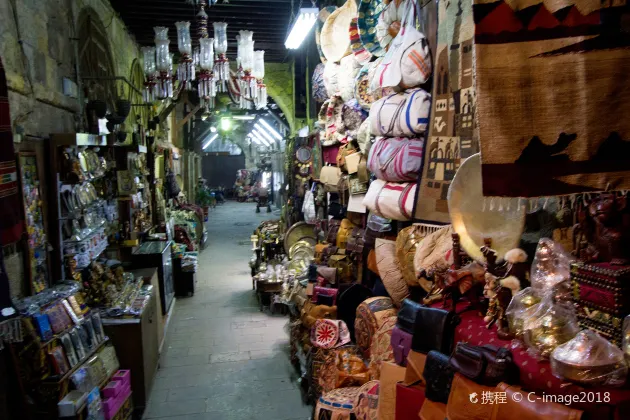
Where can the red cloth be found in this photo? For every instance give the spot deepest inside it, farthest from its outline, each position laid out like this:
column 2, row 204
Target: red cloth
column 536, row 375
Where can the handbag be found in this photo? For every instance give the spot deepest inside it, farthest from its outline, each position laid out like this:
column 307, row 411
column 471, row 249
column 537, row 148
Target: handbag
column 327, row 273
column 329, row 176
column 355, row 240
column 460, row 406
column 352, row 162
column 345, row 150
column 333, row 229
column 396, row 159
column 356, row 186
column 345, row 229
column 324, row 291
column 401, row 345
column 391, row 200
column 486, row 365
column 391, row 374
column 407, row 62
column 404, row 114
column 343, row 265
column 407, row 315
column 329, row 154
column 434, row 329
column 409, row 400
column 438, row 374
column 530, row 408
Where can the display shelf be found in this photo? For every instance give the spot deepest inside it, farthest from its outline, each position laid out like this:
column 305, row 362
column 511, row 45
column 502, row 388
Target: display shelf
column 81, row 363
column 88, row 236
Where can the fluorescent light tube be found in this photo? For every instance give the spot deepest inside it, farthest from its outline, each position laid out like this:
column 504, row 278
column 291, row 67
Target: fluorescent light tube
column 209, row 142
column 243, row 117
column 302, row 25
column 271, row 129
column 264, row 134
column 254, row 139
column 259, row 137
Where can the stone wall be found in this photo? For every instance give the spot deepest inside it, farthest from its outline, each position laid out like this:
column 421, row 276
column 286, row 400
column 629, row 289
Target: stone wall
column 37, row 47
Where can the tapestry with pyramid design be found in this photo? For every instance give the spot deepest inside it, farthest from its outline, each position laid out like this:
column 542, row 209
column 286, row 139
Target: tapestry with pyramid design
column 552, row 96
column 451, row 132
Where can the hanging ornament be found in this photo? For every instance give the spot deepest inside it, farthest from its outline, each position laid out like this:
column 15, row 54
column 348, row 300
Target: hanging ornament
column 206, row 83
column 221, row 63
column 164, row 63
column 186, row 67
column 247, row 81
column 150, row 85
column 260, row 100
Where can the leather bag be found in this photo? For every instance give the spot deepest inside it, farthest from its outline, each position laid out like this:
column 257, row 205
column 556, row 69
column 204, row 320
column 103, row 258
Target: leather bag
column 329, row 177
column 460, row 407
column 396, row 159
column 344, row 232
column 356, row 186
column 329, row 154
column 324, row 291
column 389, row 270
column 344, row 267
column 333, row 229
column 355, row 240
column 434, row 329
column 407, row 315
column 438, row 374
column 391, row 200
column 404, row 114
column 345, row 150
column 328, row 273
column 486, row 365
column 352, row 162
column 409, row 400
column 401, row 345
column 530, row 410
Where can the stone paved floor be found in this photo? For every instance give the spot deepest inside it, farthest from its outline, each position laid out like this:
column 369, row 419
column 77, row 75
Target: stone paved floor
column 223, row 359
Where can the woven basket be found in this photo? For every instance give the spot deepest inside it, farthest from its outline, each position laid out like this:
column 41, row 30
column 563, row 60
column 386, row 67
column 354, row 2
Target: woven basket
column 335, row 36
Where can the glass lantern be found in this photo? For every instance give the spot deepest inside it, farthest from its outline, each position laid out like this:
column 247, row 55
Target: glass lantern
column 206, row 53
column 162, row 55
column 148, row 55
column 220, row 37
column 184, row 42
column 259, row 64
column 161, row 33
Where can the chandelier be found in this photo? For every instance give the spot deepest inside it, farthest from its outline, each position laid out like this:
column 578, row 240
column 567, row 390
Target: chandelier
column 205, row 68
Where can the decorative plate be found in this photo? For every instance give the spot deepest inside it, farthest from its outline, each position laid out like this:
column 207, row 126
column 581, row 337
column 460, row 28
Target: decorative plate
column 303, row 154
column 475, row 217
column 369, row 11
column 299, row 232
column 362, row 55
column 321, row 19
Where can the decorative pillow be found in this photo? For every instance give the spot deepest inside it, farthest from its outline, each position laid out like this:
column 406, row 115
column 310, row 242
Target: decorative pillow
column 352, row 117
column 329, row 333
column 331, row 78
column 337, row 404
column 381, row 349
column 348, row 70
column 389, row 270
column 370, row 316
column 342, row 367
column 366, row 404
column 435, row 252
column 319, row 88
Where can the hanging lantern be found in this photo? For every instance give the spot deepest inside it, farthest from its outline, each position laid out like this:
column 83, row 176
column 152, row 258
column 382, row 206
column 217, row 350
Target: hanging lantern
column 150, row 85
column 206, row 84
column 247, row 82
column 260, row 100
column 221, row 64
column 186, row 67
column 163, row 62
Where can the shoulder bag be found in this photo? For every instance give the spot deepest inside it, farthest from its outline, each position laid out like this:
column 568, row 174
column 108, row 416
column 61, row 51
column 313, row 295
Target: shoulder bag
column 404, row 114
column 486, row 365
column 396, row 159
column 391, row 200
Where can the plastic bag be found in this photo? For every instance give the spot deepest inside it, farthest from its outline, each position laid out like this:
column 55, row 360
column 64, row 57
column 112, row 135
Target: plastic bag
column 308, row 206
column 521, row 308
column 548, row 326
column 589, row 359
column 551, row 265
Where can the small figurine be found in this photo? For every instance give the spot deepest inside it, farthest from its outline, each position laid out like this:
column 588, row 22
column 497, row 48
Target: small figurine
column 467, row 281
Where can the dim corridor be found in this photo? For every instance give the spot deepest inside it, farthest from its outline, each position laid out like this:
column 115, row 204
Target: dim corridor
column 223, row 359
